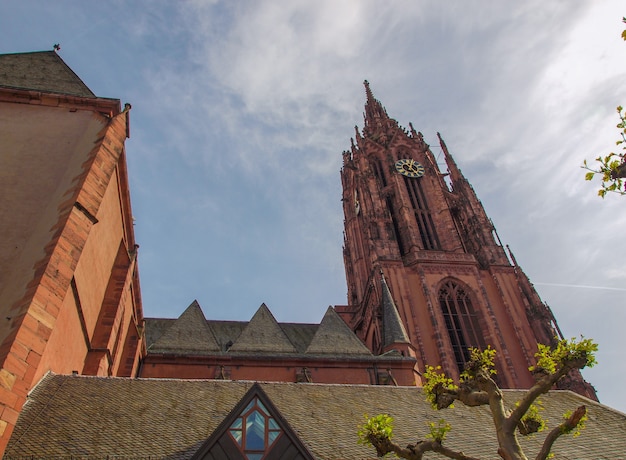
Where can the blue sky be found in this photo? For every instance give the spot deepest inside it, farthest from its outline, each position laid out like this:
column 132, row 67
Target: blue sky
column 241, row 111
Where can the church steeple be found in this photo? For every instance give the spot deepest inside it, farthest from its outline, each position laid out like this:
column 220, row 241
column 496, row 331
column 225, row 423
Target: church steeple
column 374, row 110
column 375, row 117
column 453, row 285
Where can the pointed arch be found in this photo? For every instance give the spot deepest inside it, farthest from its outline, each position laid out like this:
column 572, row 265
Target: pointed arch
column 379, row 172
column 457, row 303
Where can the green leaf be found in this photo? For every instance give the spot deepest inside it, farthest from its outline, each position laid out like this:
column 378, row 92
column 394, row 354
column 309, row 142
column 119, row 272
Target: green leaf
column 589, row 176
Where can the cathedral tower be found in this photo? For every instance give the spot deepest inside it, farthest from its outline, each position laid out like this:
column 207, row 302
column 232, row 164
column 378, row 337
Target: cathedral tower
column 422, row 236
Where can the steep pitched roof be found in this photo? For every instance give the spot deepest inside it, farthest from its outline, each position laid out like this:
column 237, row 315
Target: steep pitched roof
column 41, row 71
column 226, row 332
column 98, row 417
column 334, row 336
column 263, row 334
column 188, row 334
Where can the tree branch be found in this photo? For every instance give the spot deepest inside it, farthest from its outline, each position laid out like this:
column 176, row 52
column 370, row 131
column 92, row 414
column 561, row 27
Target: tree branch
column 565, row 427
column 415, row 451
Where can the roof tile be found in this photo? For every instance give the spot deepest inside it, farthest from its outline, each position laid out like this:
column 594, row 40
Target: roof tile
column 99, row 417
column 41, row 71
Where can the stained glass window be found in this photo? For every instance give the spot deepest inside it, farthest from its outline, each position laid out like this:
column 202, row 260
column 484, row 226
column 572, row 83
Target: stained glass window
column 255, row 430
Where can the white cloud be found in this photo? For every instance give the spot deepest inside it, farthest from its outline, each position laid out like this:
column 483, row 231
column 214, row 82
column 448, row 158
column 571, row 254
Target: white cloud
column 241, row 111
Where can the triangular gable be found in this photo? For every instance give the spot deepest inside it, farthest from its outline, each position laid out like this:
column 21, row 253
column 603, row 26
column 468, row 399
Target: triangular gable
column 263, row 334
column 333, row 336
column 189, row 334
column 254, row 429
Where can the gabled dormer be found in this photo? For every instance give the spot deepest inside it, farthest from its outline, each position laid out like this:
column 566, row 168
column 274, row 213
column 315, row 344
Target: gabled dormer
column 254, row 430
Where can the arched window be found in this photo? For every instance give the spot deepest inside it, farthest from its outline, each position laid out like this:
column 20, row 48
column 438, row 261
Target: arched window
column 255, row 430
column 423, row 216
column 461, row 321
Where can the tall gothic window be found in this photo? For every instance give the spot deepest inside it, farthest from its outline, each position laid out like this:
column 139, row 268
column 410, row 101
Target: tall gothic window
column 396, row 227
column 255, row 430
column 461, row 321
column 423, row 216
column 378, row 171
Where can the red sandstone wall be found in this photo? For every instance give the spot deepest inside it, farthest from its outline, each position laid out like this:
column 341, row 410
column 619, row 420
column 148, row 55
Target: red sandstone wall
column 78, row 229
column 339, row 372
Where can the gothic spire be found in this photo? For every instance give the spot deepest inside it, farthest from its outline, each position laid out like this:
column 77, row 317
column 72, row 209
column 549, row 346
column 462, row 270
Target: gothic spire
column 393, row 329
column 375, row 115
column 455, row 172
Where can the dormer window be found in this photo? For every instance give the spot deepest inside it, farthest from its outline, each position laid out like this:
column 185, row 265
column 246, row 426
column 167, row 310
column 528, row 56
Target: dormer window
column 255, row 430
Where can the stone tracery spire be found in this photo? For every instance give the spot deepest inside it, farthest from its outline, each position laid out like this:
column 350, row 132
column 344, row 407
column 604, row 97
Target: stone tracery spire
column 375, row 116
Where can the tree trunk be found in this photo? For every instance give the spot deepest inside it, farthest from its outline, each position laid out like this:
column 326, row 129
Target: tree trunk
column 509, row 449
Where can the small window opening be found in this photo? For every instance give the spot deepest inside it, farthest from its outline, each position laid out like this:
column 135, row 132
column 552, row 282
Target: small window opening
column 255, row 430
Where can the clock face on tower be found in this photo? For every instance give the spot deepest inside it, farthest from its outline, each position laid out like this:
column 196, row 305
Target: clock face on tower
column 409, row 168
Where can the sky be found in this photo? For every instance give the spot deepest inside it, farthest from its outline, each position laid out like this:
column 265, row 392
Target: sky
column 241, row 110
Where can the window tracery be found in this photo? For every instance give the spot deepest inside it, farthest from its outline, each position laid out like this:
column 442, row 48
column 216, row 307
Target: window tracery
column 461, row 321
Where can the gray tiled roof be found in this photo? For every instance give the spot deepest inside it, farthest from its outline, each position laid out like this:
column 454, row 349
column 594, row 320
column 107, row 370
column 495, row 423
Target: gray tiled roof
column 41, row 71
column 97, row 417
column 299, row 334
column 335, row 337
column 262, row 334
column 189, row 334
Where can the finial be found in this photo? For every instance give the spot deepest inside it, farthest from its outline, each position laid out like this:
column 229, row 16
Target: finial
column 368, row 91
column 56, row 47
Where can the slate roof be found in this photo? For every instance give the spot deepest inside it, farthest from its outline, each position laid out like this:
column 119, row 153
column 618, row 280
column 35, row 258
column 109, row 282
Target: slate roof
column 263, row 334
column 97, row 417
column 334, row 336
column 41, row 71
column 192, row 334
